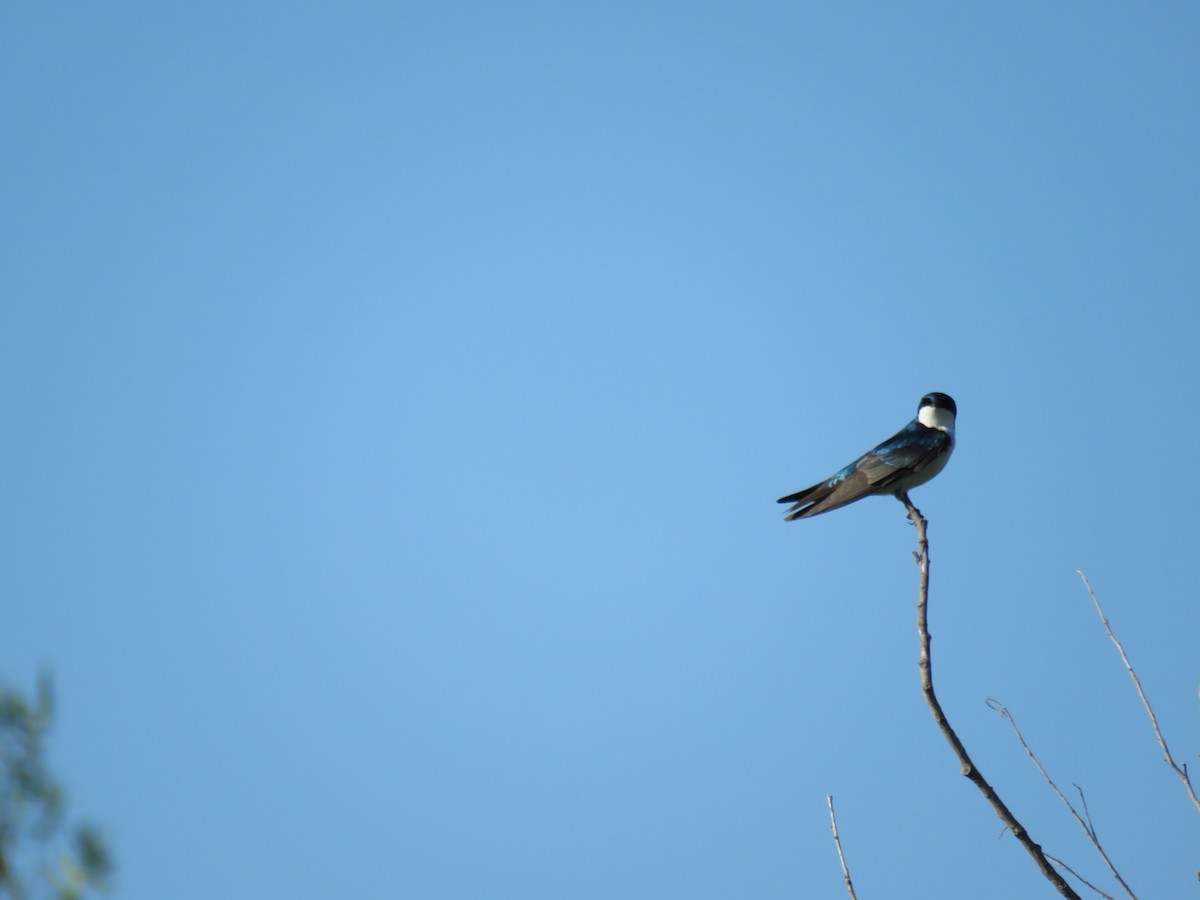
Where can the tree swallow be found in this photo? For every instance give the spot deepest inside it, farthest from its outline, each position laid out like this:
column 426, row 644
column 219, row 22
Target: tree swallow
column 912, row 456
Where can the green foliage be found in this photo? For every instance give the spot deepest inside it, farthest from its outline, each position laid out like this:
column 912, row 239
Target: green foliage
column 40, row 856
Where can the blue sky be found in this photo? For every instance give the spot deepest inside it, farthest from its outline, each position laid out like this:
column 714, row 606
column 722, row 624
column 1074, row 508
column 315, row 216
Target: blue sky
column 396, row 398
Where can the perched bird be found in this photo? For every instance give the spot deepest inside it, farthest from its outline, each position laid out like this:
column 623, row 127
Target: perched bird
column 912, row 456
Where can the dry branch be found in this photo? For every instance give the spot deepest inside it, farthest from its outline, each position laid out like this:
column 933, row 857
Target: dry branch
column 1181, row 771
column 1059, row 862
column 1088, row 827
column 837, row 842
column 968, row 768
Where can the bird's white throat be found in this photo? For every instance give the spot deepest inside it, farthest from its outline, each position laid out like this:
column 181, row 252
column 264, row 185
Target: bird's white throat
column 936, row 417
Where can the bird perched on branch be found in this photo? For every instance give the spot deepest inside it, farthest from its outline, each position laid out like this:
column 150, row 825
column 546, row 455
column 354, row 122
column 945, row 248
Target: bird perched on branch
column 912, row 456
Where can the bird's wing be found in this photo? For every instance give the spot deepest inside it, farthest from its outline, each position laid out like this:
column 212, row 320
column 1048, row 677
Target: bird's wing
column 910, row 448
column 846, row 486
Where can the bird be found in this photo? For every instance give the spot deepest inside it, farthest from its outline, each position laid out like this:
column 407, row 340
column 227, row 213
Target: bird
column 910, row 457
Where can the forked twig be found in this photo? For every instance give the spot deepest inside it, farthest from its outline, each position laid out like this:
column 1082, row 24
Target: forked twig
column 837, row 842
column 1181, row 771
column 1088, row 828
column 968, row 768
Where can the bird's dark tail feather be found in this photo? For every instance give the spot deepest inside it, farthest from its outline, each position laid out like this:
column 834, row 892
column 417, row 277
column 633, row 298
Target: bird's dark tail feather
column 797, row 497
column 805, row 501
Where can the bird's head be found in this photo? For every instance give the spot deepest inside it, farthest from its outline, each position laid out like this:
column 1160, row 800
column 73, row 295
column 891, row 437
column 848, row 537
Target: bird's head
column 937, row 410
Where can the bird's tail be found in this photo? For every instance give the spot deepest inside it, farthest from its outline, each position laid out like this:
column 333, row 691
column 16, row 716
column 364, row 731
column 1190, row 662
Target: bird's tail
column 805, row 502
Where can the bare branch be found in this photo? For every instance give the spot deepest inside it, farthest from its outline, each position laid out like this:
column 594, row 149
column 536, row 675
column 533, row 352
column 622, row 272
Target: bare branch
column 1088, row 828
column 1137, row 683
column 837, row 842
column 968, row 768
column 1059, row 862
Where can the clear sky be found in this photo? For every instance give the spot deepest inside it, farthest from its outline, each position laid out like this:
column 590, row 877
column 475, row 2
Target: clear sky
column 395, row 398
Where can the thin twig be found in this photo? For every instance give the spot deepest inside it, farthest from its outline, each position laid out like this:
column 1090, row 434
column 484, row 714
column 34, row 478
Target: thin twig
column 1086, row 812
column 837, row 842
column 1181, row 771
column 1059, row 862
column 968, row 768
column 1088, row 828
